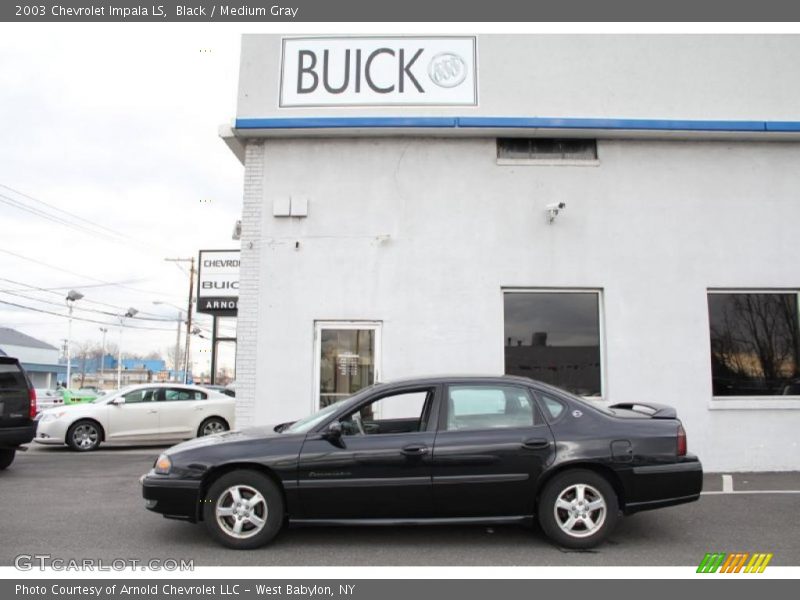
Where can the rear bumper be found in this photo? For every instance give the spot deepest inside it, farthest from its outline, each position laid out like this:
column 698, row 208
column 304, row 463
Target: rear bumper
column 11, row 437
column 173, row 498
column 657, row 486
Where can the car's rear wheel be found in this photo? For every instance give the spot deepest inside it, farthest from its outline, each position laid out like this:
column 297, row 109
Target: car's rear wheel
column 6, row 457
column 243, row 510
column 211, row 426
column 578, row 509
column 84, row 436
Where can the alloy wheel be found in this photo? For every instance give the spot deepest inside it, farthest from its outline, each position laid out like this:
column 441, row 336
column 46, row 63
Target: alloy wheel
column 241, row 511
column 213, row 427
column 85, row 436
column 580, row 510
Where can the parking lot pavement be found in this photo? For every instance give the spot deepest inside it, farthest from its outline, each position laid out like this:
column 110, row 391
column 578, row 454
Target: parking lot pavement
column 74, row 506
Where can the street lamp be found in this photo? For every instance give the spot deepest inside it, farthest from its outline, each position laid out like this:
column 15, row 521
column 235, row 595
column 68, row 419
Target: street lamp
column 131, row 313
column 71, row 298
column 176, row 363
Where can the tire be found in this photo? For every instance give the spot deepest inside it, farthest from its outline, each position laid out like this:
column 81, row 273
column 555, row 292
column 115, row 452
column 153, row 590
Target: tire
column 222, row 524
column 211, row 426
column 6, row 457
column 570, row 523
column 84, row 436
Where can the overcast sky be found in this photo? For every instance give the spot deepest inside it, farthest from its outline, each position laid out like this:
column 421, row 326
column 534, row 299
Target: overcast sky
column 116, row 125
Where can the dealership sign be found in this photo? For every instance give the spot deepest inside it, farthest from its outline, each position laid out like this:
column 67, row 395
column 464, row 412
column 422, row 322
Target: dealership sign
column 218, row 282
column 378, row 71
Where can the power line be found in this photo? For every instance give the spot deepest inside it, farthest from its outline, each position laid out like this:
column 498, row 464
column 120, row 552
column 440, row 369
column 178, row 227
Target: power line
column 50, row 312
column 90, row 310
column 69, row 287
column 73, row 215
column 40, row 213
column 44, row 264
column 54, row 293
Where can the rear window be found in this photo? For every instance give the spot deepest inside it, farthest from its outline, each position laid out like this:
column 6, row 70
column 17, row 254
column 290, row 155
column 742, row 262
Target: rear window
column 555, row 404
column 11, row 377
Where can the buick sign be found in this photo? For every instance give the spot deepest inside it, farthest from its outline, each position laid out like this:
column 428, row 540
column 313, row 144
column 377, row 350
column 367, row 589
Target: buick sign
column 372, row 71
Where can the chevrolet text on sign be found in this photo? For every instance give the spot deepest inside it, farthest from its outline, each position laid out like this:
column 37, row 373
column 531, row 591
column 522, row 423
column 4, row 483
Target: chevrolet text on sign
column 373, row 71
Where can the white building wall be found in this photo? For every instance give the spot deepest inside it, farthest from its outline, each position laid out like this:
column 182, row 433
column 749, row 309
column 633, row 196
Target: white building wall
column 423, row 234
column 653, row 226
column 247, row 324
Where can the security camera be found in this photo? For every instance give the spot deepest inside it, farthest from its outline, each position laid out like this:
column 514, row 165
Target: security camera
column 553, row 209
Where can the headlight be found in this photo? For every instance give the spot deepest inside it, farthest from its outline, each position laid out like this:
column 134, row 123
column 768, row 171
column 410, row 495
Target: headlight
column 163, row 465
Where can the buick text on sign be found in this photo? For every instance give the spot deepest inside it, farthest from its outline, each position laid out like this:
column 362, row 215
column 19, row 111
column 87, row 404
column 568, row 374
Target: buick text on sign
column 372, row 71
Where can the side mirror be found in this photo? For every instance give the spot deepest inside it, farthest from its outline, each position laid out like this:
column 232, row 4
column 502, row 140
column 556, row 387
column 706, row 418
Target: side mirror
column 334, row 434
column 118, row 401
column 334, row 431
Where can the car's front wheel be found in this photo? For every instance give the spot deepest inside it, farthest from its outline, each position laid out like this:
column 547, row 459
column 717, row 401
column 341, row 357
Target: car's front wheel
column 6, row 457
column 243, row 509
column 84, row 436
column 578, row 509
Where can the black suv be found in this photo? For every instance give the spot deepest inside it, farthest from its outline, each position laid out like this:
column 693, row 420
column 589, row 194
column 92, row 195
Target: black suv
column 17, row 409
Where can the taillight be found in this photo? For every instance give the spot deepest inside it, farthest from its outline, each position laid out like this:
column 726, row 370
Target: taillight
column 32, row 396
column 681, row 441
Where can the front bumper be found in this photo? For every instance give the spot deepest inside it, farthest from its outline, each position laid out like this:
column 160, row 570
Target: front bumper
column 11, row 437
column 51, row 432
column 657, row 486
column 173, row 498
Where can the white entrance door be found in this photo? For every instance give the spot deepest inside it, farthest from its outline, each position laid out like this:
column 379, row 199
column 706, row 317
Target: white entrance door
column 346, row 359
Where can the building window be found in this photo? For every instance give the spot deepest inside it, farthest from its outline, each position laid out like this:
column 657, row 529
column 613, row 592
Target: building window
column 755, row 343
column 554, row 337
column 547, row 150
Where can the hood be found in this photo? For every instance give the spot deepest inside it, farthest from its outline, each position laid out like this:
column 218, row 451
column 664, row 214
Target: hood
column 244, row 435
column 69, row 409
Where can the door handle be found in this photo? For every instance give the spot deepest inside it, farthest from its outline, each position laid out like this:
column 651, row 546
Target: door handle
column 153, row 411
column 536, row 443
column 414, row 450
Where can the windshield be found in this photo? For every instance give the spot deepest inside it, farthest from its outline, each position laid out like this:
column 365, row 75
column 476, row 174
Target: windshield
column 315, row 419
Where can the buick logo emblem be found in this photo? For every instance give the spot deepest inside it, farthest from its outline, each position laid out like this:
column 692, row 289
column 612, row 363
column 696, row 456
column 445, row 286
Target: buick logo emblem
column 447, row 70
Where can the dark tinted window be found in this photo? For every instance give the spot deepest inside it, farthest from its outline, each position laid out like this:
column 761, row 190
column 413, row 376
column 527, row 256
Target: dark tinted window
column 555, row 337
column 11, row 377
column 546, row 149
column 754, row 344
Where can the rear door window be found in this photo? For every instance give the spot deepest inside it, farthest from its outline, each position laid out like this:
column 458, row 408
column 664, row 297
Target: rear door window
column 179, row 394
column 489, row 407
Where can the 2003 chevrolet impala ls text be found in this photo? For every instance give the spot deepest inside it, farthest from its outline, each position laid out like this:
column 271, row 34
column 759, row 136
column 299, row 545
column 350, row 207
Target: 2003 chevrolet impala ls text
column 436, row 450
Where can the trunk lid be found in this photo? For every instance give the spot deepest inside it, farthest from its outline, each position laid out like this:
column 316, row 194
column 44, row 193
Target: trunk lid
column 645, row 409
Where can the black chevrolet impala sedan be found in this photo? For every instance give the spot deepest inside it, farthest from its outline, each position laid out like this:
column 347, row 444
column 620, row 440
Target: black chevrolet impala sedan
column 482, row 450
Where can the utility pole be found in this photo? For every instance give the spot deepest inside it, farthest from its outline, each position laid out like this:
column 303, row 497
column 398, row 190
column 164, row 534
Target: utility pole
column 103, row 352
column 177, row 348
column 187, row 357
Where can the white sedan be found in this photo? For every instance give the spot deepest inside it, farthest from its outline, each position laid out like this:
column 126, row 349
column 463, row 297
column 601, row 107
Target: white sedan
column 138, row 413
